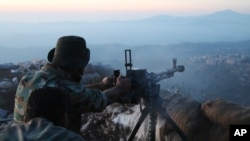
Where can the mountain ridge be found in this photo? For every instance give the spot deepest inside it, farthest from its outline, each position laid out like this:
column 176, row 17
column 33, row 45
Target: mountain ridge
column 155, row 30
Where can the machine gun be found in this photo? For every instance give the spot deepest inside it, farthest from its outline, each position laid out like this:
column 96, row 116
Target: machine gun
column 145, row 88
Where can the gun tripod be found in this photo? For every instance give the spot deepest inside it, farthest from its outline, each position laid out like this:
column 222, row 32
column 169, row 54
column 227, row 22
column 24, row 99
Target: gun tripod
column 152, row 107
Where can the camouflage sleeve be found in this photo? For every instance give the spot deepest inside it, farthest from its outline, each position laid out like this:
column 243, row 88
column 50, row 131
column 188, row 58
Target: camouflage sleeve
column 86, row 100
column 21, row 99
column 98, row 100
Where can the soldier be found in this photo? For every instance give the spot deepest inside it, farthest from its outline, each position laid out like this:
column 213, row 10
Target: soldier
column 45, row 119
column 65, row 70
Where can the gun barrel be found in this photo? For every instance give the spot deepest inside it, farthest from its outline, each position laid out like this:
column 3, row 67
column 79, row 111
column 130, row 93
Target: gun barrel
column 156, row 77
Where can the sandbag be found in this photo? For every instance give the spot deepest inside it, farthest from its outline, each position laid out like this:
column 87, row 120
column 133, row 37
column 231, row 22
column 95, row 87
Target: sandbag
column 187, row 115
column 225, row 112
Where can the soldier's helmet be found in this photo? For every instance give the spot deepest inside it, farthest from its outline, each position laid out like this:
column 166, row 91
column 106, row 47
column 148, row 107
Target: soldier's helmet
column 70, row 51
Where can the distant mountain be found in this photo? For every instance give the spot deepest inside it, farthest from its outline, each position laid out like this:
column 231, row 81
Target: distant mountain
column 227, row 17
column 224, row 25
column 224, row 15
column 228, row 14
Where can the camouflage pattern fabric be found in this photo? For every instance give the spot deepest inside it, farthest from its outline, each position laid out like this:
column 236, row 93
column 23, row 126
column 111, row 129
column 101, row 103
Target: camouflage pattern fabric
column 81, row 99
column 38, row 129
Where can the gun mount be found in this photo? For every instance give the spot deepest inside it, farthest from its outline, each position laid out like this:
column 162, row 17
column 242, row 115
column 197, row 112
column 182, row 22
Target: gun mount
column 145, row 87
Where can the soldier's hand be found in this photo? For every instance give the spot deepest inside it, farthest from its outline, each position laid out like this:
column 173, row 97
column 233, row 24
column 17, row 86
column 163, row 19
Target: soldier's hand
column 122, row 87
column 107, row 82
column 123, row 83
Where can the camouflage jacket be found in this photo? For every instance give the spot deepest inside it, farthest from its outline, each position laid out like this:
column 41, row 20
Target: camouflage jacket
column 81, row 99
column 38, row 129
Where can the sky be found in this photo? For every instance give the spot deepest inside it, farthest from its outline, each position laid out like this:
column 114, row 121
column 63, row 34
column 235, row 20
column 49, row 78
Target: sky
column 99, row 10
